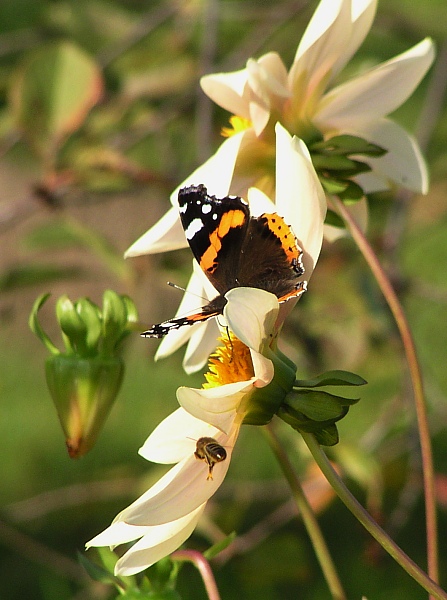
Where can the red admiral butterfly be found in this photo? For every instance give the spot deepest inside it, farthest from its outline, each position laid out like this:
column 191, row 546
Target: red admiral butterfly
column 235, row 250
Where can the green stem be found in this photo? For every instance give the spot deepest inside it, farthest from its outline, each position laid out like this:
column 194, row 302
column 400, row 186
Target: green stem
column 416, row 380
column 308, row 517
column 203, row 566
column 368, row 522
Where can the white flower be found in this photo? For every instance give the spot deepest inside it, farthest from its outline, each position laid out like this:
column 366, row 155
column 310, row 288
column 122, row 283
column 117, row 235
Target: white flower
column 166, row 515
column 304, row 101
column 299, row 199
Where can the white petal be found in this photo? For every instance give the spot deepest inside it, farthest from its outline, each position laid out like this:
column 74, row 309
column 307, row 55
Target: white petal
column 321, row 46
column 228, row 90
column 263, row 368
column 217, row 172
column 300, row 199
column 251, row 314
column 166, row 234
column 116, row 534
column 274, row 74
column 260, row 203
column 403, row 163
column 175, row 438
column 201, row 344
column 159, row 541
column 377, row 92
column 183, row 489
column 217, row 405
column 362, row 15
column 198, row 292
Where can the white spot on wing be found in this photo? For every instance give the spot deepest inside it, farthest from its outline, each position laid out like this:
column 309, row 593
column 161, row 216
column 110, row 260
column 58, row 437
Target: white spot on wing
column 195, row 226
column 206, row 208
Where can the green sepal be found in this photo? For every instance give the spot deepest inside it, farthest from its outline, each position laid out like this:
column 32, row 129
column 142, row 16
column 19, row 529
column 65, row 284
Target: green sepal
column 346, row 145
column 352, row 193
column 74, row 330
column 265, row 402
column 329, row 162
column 90, row 314
column 333, row 219
column 332, row 186
column 114, row 320
column 325, row 431
column 83, row 391
column 35, row 327
column 335, row 377
column 318, row 405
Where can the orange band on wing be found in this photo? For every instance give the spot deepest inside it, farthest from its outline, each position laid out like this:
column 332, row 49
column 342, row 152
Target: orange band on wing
column 282, row 231
column 230, row 220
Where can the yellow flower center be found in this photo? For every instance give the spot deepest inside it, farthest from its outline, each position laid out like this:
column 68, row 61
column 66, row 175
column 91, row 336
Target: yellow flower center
column 238, row 124
column 230, row 362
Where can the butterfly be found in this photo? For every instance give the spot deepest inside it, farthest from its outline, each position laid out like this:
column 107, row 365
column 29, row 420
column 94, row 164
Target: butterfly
column 235, row 249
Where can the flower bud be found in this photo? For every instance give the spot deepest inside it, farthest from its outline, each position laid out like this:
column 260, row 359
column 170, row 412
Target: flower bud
column 85, row 379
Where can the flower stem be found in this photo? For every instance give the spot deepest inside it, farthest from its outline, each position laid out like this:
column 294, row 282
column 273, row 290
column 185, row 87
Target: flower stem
column 416, row 380
column 368, row 522
column 203, row 566
column 308, row 517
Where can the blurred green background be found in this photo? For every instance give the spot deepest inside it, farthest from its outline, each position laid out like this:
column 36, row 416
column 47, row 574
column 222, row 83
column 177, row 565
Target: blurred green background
column 73, row 201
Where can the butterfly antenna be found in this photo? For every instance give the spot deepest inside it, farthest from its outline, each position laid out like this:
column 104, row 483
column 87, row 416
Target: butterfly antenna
column 182, row 289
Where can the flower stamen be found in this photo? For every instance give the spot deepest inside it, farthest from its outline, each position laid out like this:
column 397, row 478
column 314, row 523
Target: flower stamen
column 231, row 362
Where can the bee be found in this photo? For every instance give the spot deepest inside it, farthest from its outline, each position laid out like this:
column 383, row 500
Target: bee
column 211, row 452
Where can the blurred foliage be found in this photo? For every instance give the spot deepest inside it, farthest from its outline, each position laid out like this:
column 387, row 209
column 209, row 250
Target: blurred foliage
column 101, row 116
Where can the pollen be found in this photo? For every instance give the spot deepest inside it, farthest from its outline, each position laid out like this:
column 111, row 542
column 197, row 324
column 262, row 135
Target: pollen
column 237, row 124
column 231, row 362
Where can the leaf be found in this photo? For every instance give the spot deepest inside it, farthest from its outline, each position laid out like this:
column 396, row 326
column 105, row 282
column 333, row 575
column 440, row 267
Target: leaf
column 220, row 546
column 335, row 377
column 52, row 93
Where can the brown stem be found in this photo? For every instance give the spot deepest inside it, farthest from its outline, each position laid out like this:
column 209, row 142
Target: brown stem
column 416, row 381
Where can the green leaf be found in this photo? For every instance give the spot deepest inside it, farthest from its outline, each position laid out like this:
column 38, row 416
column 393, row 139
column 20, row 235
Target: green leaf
column 52, row 93
column 220, row 546
column 335, row 377
column 35, row 325
column 333, row 219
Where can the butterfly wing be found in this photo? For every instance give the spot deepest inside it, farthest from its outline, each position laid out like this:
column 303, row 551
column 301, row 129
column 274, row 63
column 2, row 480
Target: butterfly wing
column 215, row 229
column 271, row 258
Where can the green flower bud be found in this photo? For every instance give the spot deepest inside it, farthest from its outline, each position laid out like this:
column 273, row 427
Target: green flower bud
column 85, row 379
